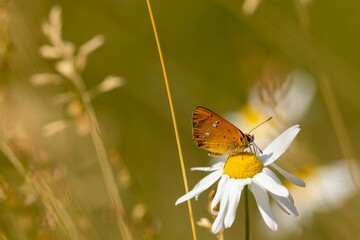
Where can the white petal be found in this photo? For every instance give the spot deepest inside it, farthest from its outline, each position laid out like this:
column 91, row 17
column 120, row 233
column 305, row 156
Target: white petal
column 219, row 221
column 280, row 144
column 286, row 204
column 234, row 202
column 271, row 174
column 205, row 183
column 295, row 180
column 270, row 184
column 262, row 201
column 264, row 157
column 231, row 198
column 214, row 167
column 219, row 193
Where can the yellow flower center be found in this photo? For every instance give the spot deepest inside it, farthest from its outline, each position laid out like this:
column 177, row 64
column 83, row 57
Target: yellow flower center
column 243, row 165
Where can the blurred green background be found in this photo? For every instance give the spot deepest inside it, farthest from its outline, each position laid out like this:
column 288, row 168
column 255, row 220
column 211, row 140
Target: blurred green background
column 214, row 54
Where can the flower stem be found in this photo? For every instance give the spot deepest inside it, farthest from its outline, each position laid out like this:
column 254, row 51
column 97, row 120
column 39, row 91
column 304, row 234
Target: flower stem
column 247, row 221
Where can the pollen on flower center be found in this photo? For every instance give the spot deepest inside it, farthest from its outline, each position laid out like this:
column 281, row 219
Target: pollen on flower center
column 243, row 165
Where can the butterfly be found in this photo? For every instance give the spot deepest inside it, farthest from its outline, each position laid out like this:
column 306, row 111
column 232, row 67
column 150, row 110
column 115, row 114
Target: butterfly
column 218, row 136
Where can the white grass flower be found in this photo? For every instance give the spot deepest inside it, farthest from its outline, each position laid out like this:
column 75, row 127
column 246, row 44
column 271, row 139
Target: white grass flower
column 69, row 66
column 138, row 212
column 248, row 169
column 50, row 52
column 205, row 223
column 66, row 68
column 63, row 98
column 108, row 84
column 41, row 79
column 55, row 127
column 86, row 49
column 52, row 27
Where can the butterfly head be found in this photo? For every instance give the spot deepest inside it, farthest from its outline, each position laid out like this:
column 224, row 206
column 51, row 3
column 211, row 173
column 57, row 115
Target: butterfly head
column 251, row 144
column 250, row 139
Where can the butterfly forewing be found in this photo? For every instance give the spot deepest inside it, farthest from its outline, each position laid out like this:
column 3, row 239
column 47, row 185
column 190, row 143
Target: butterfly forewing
column 215, row 134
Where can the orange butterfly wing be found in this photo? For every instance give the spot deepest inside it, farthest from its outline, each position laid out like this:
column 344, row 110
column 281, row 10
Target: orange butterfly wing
column 215, row 134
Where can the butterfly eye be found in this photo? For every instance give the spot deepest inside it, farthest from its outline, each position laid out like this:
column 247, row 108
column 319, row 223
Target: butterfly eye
column 250, row 138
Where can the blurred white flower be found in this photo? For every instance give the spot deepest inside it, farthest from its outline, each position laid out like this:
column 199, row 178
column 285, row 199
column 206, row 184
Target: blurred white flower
column 328, row 188
column 248, row 169
column 287, row 104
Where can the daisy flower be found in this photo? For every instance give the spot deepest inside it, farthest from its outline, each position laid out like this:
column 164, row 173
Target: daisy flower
column 248, row 169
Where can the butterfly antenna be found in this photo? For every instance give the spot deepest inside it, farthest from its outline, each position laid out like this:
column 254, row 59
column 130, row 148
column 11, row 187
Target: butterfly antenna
column 260, row 124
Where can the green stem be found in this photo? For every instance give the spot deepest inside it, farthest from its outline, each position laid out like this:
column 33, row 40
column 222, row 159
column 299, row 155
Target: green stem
column 247, row 221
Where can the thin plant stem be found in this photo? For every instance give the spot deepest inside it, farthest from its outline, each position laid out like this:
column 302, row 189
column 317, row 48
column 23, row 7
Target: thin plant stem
column 182, row 164
column 52, row 205
column 103, row 159
column 74, row 75
column 8, row 152
column 247, row 218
